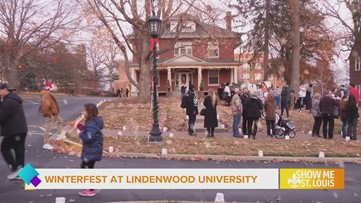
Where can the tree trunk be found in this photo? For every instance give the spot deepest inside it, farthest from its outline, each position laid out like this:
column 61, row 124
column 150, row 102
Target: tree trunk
column 266, row 42
column 11, row 74
column 295, row 34
column 144, row 81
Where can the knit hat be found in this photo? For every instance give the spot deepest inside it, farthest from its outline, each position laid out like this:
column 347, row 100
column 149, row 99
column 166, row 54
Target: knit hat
column 6, row 86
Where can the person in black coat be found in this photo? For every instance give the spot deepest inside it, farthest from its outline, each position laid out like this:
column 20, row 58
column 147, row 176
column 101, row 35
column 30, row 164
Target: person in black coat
column 13, row 129
column 210, row 116
column 327, row 107
column 191, row 105
column 244, row 99
column 351, row 117
column 254, row 108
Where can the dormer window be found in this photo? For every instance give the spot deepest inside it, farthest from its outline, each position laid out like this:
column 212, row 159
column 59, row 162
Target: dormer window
column 213, row 50
column 187, row 26
column 183, row 48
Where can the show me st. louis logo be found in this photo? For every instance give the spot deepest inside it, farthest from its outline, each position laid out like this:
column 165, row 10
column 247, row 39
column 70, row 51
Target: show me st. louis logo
column 29, row 175
column 295, row 182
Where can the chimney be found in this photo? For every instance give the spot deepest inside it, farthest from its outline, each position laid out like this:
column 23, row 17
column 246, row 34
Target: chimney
column 228, row 20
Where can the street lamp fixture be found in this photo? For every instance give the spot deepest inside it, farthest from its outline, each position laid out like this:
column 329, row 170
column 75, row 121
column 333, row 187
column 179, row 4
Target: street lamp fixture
column 154, row 24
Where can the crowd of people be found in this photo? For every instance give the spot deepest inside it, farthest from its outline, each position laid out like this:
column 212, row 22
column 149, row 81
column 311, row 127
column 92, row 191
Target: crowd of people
column 249, row 106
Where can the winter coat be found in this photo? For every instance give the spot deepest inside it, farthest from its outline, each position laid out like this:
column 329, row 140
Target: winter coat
column 270, row 108
column 351, row 109
column 327, row 105
column 342, row 110
column 316, row 112
column 254, row 108
column 49, row 106
column 355, row 93
column 236, row 105
column 92, row 138
column 12, row 117
column 244, row 99
column 191, row 103
column 302, row 92
column 210, row 117
column 285, row 94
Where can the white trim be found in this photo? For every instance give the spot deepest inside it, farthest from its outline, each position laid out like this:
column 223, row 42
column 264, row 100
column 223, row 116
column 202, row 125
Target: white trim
column 217, row 76
column 235, row 70
column 358, row 63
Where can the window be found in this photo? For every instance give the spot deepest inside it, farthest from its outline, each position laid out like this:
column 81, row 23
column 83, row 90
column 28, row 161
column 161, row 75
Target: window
column 258, row 76
column 358, row 87
column 358, row 63
column 213, row 50
column 258, row 66
column 213, row 77
column 246, row 76
column 183, row 48
column 246, row 66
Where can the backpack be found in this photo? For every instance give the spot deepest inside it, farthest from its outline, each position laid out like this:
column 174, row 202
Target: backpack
column 184, row 101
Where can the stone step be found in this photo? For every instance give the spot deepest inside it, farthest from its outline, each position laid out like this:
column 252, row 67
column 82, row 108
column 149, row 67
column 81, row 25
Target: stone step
column 199, row 128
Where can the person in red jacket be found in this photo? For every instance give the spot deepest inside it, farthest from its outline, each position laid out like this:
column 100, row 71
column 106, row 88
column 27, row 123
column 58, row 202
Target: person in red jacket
column 355, row 93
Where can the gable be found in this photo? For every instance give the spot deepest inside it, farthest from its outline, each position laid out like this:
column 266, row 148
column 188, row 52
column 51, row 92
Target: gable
column 184, row 59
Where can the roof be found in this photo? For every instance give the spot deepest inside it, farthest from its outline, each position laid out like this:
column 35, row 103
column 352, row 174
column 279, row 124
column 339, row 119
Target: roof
column 202, row 29
column 187, row 60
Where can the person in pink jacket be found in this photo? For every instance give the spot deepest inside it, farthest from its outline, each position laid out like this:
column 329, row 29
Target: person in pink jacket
column 355, row 93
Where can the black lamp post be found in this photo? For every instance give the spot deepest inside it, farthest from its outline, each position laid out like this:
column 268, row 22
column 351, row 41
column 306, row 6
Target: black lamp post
column 154, row 24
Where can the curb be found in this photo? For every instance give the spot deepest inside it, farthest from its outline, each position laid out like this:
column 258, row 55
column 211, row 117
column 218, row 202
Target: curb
column 166, row 201
column 193, row 157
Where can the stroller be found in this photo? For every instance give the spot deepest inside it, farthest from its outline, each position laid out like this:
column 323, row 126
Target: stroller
column 283, row 127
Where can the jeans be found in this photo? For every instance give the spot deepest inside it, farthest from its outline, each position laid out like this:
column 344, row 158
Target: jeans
column 344, row 128
column 16, row 142
column 316, row 126
column 278, row 101
column 328, row 118
column 352, row 128
column 284, row 105
column 191, row 121
column 270, row 126
column 236, row 121
column 252, row 122
column 49, row 122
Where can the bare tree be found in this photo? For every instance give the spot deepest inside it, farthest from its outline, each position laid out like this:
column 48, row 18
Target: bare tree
column 29, row 25
column 122, row 18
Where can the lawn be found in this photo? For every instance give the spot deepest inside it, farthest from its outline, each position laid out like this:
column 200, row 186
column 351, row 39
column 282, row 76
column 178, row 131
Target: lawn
column 137, row 116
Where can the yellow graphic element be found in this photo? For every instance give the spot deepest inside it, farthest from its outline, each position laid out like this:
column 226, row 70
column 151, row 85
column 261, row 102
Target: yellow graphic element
column 312, row 178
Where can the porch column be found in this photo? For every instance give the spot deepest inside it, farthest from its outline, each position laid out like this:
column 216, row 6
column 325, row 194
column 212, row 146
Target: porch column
column 169, row 77
column 200, row 77
column 134, row 77
column 235, row 69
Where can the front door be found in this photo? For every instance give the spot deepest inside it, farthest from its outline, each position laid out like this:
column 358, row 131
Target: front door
column 183, row 78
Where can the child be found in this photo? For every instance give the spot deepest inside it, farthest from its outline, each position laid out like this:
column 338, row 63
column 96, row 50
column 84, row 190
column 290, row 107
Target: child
column 92, row 138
